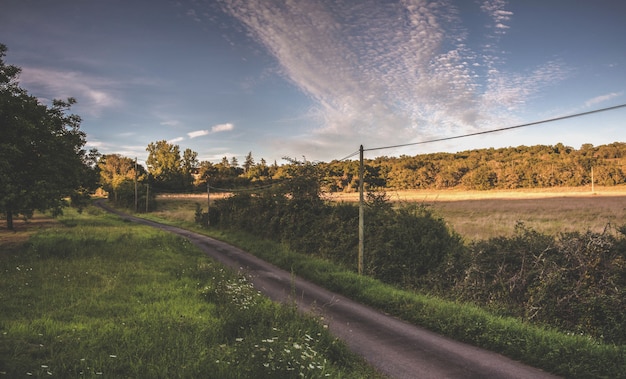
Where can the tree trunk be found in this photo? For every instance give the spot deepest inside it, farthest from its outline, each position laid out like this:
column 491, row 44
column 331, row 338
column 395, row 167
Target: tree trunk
column 9, row 220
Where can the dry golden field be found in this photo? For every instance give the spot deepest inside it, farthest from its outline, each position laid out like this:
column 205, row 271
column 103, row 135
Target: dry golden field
column 485, row 214
column 482, row 214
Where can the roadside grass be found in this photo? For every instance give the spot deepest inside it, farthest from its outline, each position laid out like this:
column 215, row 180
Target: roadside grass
column 570, row 355
column 94, row 296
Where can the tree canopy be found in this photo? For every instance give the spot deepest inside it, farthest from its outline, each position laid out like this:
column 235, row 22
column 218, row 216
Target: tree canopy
column 42, row 160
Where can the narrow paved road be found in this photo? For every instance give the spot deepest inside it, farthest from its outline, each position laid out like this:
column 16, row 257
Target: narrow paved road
column 394, row 347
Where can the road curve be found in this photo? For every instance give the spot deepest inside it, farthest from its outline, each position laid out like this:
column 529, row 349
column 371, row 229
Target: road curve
column 396, row 348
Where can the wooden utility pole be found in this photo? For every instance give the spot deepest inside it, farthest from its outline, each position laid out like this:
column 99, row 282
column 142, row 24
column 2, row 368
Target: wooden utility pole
column 136, row 198
column 147, row 195
column 361, row 211
column 592, row 184
column 208, row 202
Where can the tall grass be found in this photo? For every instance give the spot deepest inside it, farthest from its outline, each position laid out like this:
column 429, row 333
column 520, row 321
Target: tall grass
column 97, row 297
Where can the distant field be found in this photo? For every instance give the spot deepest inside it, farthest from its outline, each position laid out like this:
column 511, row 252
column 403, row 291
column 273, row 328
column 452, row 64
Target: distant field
column 486, row 214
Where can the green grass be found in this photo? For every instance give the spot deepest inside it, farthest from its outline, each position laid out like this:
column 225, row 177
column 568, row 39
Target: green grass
column 98, row 297
column 573, row 356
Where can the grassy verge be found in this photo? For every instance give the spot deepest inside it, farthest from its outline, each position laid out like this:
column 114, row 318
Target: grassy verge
column 572, row 356
column 94, row 296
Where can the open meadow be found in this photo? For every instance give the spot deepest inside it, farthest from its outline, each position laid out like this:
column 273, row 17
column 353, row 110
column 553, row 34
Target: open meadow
column 89, row 295
column 477, row 215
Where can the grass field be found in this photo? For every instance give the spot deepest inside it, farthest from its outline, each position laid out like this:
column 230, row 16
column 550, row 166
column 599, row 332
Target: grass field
column 91, row 296
column 479, row 215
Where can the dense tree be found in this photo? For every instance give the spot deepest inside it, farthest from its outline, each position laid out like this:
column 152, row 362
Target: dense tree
column 190, row 166
column 537, row 166
column 42, row 160
column 165, row 165
column 206, row 171
column 116, row 171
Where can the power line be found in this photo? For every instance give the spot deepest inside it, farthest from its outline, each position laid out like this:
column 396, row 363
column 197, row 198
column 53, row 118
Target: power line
column 497, row 130
column 250, row 189
column 349, row 156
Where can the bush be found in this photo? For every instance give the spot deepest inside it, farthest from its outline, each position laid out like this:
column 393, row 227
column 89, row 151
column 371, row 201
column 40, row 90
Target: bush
column 575, row 281
column 402, row 246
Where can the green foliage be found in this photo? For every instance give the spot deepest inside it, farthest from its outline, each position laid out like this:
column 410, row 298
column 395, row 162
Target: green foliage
column 42, row 160
column 165, row 165
column 576, row 281
column 119, row 175
column 403, row 245
column 483, row 169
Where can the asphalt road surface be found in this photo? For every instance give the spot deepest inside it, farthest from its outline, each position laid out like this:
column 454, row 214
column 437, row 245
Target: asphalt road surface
column 396, row 348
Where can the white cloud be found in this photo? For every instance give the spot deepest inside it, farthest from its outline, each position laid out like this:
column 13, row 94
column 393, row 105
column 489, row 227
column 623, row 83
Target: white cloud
column 391, row 73
column 222, row 128
column 603, row 98
column 198, row 133
column 495, row 10
column 94, row 94
column 176, row 140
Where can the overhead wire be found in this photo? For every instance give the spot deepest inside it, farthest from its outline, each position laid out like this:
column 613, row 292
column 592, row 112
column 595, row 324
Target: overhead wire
column 349, row 156
column 499, row 129
column 251, row 189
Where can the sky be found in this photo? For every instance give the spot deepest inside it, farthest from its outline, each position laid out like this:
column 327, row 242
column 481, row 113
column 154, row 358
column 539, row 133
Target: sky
column 314, row 79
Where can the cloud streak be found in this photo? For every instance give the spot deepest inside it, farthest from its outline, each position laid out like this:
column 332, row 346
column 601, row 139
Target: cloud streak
column 222, row 128
column 94, row 94
column 197, row 133
column 603, row 98
column 391, row 71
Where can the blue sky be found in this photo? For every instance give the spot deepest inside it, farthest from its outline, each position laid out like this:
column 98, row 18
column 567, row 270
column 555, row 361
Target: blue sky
column 317, row 78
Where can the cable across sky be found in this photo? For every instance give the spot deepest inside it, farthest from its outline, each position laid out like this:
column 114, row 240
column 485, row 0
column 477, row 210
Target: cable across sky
column 495, row 130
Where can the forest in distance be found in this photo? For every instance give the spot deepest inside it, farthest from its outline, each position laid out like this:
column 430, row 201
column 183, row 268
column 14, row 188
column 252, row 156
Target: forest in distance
column 539, row 166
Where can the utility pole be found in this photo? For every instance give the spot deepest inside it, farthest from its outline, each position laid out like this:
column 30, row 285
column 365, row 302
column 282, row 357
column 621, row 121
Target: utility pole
column 136, row 185
column 208, row 202
column 147, row 195
column 592, row 188
column 361, row 211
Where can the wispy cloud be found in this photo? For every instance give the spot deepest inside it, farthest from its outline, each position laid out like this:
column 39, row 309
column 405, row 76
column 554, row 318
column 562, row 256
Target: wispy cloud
column 499, row 15
column 222, row 128
column 603, row 98
column 94, row 94
column 391, row 72
column 198, row 133
column 176, row 140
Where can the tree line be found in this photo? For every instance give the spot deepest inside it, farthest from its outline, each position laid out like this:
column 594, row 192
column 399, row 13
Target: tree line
column 538, row 166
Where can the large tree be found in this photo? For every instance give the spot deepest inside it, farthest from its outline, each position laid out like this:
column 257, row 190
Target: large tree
column 168, row 169
column 42, row 160
column 115, row 171
column 190, row 166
